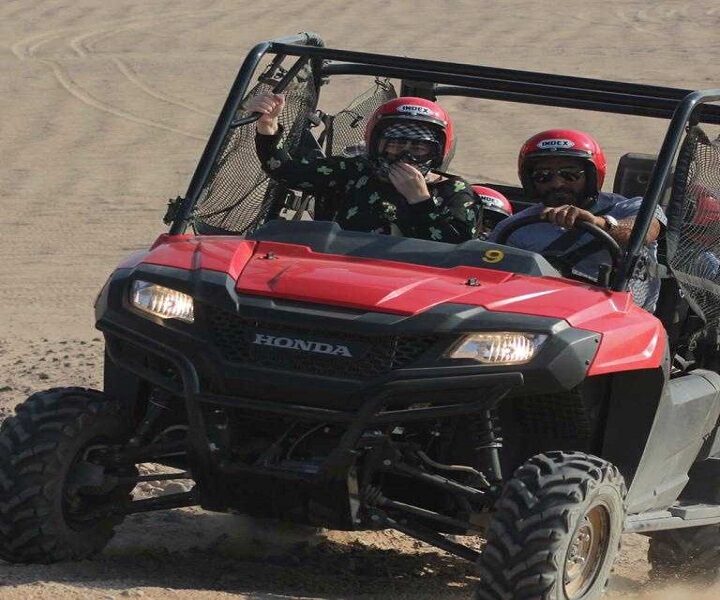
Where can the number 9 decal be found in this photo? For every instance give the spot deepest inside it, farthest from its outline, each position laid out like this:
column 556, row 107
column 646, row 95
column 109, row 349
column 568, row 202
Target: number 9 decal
column 493, row 256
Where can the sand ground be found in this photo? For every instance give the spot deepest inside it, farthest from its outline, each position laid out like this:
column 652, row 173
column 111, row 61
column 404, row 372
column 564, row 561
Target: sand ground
column 104, row 110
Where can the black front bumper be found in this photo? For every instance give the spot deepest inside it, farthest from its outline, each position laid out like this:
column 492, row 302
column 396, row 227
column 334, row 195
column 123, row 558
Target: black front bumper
column 206, row 364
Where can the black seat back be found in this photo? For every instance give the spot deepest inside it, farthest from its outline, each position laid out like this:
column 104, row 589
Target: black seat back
column 632, row 176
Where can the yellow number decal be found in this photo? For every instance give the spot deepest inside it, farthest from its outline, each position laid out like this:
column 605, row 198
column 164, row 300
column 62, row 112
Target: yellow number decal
column 493, row 256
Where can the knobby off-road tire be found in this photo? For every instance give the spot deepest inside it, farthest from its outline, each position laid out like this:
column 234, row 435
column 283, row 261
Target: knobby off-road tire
column 43, row 517
column 555, row 531
column 692, row 553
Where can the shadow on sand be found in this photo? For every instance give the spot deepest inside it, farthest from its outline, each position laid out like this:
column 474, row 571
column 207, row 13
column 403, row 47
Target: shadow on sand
column 191, row 549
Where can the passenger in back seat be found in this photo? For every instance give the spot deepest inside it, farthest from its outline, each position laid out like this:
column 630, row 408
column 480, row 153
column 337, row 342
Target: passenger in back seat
column 564, row 170
column 495, row 208
column 700, row 237
column 397, row 186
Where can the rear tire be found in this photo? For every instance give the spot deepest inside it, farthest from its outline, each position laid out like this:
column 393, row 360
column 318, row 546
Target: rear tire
column 45, row 514
column 555, row 531
column 692, row 553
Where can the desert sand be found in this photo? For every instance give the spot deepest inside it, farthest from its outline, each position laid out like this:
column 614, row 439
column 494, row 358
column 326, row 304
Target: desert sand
column 104, row 112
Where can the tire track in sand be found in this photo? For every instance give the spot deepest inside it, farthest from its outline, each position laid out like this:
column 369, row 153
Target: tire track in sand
column 87, row 98
column 83, row 43
column 28, row 49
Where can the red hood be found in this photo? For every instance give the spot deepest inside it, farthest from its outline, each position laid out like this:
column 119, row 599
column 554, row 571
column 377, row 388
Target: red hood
column 297, row 273
column 214, row 253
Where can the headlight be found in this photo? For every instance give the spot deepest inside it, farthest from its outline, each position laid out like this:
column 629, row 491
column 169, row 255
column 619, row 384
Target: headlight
column 161, row 301
column 498, row 348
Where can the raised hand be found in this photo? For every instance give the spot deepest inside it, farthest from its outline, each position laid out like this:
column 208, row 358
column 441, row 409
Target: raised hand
column 269, row 106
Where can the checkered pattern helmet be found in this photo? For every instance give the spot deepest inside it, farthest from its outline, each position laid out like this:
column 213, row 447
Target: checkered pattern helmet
column 411, row 131
column 414, row 118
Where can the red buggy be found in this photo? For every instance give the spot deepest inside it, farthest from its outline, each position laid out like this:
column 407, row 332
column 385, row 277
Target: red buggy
column 359, row 381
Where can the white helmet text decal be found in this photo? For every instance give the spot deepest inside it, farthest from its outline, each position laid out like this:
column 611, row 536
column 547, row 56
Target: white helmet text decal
column 414, row 109
column 490, row 201
column 555, row 144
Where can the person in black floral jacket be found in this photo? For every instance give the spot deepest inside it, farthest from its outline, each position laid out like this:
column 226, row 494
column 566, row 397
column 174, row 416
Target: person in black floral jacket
column 398, row 186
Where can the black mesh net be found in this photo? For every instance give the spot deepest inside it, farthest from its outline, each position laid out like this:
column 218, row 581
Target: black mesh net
column 693, row 234
column 642, row 282
column 239, row 196
column 347, row 132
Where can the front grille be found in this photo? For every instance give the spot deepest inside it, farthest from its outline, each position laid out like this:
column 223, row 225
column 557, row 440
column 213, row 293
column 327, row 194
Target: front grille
column 373, row 355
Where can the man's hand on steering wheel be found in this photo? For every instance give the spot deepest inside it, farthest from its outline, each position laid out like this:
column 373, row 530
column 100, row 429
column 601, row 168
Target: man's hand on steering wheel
column 567, row 214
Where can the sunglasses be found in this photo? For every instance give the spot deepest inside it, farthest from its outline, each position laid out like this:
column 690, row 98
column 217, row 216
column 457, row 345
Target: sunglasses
column 569, row 174
column 418, row 148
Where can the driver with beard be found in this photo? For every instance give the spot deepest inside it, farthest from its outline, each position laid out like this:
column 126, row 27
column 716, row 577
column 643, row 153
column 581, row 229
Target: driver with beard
column 398, row 186
column 563, row 171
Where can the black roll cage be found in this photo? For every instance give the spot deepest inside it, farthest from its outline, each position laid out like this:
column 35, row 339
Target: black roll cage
column 681, row 107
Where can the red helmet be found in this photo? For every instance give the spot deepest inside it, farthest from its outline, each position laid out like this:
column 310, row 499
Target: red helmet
column 563, row 142
column 706, row 205
column 495, row 205
column 408, row 109
column 703, row 226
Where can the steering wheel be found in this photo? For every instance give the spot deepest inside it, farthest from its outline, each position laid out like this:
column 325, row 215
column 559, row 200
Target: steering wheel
column 556, row 258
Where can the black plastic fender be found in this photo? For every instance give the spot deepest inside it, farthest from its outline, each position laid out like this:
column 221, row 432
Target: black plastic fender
column 687, row 413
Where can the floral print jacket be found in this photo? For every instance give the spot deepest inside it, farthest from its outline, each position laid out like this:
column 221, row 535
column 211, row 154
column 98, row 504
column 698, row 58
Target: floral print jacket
column 366, row 203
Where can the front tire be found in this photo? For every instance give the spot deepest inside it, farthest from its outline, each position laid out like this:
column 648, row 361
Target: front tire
column 555, row 531
column 48, row 512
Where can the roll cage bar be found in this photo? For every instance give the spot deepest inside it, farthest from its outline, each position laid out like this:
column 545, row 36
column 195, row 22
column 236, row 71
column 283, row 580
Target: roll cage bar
column 682, row 107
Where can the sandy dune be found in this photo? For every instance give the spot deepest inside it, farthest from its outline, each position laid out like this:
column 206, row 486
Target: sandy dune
column 106, row 106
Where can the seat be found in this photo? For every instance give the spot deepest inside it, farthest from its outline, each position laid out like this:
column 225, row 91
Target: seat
column 633, row 173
